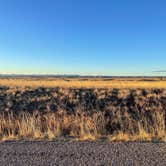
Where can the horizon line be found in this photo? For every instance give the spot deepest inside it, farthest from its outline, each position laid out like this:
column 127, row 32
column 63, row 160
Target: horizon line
column 75, row 75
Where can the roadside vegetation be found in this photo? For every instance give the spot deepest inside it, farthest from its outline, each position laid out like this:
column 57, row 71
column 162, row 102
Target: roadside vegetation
column 115, row 114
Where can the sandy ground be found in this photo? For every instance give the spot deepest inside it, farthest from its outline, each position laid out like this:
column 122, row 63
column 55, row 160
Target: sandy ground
column 82, row 153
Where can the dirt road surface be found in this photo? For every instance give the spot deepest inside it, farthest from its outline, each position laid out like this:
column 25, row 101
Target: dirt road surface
column 82, row 153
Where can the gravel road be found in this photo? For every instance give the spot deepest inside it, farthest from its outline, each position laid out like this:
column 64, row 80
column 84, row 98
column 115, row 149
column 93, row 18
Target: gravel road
column 82, row 153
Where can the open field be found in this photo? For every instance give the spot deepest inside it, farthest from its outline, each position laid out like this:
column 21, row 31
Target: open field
column 44, row 109
column 85, row 82
column 82, row 153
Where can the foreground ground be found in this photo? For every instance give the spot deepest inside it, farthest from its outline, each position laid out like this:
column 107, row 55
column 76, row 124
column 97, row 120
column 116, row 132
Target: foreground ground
column 82, row 153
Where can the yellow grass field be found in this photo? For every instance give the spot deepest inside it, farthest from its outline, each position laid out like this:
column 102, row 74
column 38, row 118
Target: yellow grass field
column 85, row 83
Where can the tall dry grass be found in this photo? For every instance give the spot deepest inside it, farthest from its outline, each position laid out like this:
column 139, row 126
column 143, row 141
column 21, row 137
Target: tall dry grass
column 79, row 126
column 146, row 132
column 50, row 126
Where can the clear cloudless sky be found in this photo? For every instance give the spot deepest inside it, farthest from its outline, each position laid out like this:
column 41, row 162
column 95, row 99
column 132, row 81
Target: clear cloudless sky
column 108, row 37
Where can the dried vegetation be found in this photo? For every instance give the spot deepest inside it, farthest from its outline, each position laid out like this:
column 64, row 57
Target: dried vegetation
column 117, row 114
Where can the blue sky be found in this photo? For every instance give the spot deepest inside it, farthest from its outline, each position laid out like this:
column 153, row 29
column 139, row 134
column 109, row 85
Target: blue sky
column 108, row 37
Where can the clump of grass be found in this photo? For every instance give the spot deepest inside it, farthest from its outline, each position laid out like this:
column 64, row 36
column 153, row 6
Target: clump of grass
column 49, row 126
column 156, row 135
column 142, row 135
column 27, row 126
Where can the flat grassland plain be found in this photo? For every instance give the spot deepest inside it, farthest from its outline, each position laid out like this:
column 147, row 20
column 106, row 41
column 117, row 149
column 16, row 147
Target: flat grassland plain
column 82, row 121
column 85, row 82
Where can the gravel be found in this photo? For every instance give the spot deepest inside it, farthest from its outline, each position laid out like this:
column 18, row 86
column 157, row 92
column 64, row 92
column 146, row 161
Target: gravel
column 67, row 153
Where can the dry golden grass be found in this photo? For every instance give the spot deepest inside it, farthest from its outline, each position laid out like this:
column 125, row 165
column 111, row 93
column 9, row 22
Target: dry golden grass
column 157, row 133
column 80, row 127
column 50, row 126
column 85, row 83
